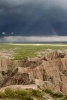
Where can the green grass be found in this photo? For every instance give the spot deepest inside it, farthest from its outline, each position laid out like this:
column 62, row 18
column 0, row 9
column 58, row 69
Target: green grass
column 22, row 51
column 36, row 93
column 21, row 94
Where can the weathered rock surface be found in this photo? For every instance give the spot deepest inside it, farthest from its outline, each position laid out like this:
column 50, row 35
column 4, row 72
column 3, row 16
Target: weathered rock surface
column 46, row 71
column 15, row 87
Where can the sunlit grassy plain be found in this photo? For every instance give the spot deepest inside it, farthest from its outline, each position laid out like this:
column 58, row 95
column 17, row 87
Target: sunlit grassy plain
column 24, row 50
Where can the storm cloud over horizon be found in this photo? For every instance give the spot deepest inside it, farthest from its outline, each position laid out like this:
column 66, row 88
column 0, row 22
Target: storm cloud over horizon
column 33, row 18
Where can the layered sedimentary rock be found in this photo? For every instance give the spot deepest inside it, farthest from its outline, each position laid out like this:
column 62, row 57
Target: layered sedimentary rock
column 48, row 71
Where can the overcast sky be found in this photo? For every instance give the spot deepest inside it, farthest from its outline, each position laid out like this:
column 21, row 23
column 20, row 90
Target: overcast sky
column 11, row 3
column 32, row 18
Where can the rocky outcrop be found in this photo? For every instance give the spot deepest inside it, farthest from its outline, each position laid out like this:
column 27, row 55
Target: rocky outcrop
column 6, row 67
column 5, row 64
column 54, row 55
column 48, row 71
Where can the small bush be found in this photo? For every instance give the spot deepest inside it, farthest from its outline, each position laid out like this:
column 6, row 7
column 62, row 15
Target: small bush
column 9, row 93
column 21, row 93
column 37, row 93
column 29, row 98
column 56, row 95
column 64, row 98
column 39, row 87
column 48, row 91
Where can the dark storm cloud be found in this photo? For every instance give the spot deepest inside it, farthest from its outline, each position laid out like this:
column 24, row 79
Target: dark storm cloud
column 11, row 3
column 49, row 3
column 33, row 17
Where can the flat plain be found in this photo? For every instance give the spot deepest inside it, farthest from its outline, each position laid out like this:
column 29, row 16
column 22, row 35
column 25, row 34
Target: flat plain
column 20, row 51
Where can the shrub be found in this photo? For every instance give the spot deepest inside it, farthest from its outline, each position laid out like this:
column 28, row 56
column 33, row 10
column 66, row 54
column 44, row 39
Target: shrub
column 56, row 95
column 29, row 98
column 9, row 93
column 48, row 91
column 64, row 98
column 37, row 93
column 21, row 93
column 39, row 87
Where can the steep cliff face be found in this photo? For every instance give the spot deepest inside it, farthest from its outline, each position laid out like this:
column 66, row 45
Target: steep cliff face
column 5, row 68
column 5, row 64
column 48, row 71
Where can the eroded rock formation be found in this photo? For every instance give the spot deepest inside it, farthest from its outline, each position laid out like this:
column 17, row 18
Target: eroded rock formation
column 49, row 71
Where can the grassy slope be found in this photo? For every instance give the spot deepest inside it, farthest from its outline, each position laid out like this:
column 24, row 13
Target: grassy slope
column 29, row 49
column 39, row 94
